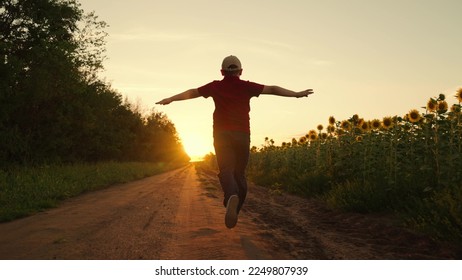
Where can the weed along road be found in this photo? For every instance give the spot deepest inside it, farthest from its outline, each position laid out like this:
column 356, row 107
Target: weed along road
column 179, row 215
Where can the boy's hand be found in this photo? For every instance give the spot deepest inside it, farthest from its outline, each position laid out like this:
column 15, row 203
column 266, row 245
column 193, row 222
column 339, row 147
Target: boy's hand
column 165, row 101
column 304, row 93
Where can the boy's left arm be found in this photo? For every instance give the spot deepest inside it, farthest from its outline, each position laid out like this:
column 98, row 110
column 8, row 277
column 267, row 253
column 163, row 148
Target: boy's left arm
column 280, row 91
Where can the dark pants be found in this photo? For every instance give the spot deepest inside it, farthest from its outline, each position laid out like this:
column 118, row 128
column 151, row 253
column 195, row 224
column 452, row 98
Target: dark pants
column 232, row 151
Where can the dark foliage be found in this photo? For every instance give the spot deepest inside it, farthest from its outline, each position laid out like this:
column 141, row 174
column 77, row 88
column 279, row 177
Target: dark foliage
column 53, row 106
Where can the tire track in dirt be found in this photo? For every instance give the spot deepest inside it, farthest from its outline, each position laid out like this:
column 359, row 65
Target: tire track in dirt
column 115, row 223
column 307, row 229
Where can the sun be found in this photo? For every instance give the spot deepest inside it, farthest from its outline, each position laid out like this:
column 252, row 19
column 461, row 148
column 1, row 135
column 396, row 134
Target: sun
column 197, row 146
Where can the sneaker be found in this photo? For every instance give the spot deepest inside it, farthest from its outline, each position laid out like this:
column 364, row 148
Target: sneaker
column 231, row 211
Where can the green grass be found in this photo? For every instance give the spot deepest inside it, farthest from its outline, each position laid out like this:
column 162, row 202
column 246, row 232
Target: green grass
column 358, row 197
column 24, row 191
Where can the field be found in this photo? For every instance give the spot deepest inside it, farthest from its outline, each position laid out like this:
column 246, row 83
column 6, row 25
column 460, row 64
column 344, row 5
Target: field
column 407, row 165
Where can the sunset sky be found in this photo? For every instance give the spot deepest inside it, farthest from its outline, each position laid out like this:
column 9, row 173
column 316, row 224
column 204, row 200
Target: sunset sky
column 366, row 57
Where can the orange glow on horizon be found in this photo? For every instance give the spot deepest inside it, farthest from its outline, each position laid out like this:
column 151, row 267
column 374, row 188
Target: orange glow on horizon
column 196, row 146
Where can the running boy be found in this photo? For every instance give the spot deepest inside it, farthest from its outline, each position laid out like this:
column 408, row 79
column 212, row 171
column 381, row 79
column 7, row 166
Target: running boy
column 231, row 128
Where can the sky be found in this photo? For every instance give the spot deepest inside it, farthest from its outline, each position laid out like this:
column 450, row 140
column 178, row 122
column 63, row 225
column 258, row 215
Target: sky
column 367, row 57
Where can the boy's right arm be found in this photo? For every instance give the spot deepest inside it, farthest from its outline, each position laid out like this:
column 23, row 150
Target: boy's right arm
column 189, row 94
column 276, row 90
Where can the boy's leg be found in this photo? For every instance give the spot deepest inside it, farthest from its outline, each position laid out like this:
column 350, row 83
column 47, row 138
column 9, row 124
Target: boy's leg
column 242, row 152
column 226, row 160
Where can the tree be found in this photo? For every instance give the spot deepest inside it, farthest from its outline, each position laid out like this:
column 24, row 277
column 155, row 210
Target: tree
column 160, row 140
column 53, row 105
column 37, row 72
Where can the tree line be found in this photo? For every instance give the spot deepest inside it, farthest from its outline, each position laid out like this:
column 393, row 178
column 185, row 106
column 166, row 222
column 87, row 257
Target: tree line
column 54, row 108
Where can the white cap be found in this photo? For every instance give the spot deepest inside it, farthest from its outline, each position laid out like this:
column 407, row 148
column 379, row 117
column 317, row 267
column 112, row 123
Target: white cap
column 231, row 63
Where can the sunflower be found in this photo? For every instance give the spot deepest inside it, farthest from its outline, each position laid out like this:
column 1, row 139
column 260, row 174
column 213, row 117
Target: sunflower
column 459, row 95
column 331, row 120
column 431, row 105
column 320, row 127
column 442, row 107
column 331, row 129
column 363, row 125
column 375, row 124
column 302, row 140
column 455, row 108
column 359, row 138
column 345, row 125
column 414, row 116
column 387, row 122
column 313, row 135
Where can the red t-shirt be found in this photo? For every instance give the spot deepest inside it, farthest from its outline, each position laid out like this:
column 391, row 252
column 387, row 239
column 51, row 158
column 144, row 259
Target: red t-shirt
column 232, row 102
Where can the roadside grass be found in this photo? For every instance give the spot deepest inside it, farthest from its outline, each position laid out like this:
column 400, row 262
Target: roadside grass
column 27, row 190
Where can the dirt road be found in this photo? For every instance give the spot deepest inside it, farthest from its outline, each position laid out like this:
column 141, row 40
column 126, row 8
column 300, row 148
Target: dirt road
column 179, row 215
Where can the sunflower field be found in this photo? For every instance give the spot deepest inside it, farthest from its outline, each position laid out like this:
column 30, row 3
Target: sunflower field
column 410, row 165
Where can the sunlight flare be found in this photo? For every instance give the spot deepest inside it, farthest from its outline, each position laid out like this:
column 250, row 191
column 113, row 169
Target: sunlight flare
column 197, row 146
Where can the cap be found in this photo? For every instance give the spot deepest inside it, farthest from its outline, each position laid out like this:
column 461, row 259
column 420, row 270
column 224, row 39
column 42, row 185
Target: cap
column 231, row 63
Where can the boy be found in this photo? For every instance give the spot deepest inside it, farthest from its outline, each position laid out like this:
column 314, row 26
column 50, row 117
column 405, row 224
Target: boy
column 231, row 128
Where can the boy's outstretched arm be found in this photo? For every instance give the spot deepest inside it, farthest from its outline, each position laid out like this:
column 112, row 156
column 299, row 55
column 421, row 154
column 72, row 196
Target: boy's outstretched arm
column 275, row 90
column 189, row 94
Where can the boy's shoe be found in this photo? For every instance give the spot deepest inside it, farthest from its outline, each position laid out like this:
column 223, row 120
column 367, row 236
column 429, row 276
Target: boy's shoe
column 231, row 211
